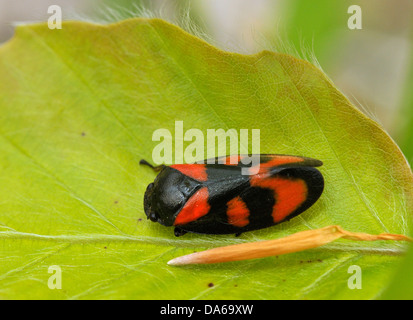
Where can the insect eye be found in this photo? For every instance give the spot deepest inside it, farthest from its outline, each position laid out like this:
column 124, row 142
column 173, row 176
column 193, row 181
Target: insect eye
column 153, row 217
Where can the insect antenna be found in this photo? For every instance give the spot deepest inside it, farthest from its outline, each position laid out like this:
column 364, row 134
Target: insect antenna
column 146, row 163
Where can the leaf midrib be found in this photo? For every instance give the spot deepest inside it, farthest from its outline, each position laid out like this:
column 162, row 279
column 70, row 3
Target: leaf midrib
column 384, row 248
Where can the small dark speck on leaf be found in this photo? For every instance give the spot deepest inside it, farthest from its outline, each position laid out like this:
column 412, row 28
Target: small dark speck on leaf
column 210, row 284
column 83, row 133
column 140, row 219
column 116, row 202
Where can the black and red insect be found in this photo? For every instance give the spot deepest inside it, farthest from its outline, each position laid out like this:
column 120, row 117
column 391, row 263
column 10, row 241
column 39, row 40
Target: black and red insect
column 218, row 199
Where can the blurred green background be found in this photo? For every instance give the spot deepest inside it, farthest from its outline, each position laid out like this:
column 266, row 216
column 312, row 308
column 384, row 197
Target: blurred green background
column 372, row 66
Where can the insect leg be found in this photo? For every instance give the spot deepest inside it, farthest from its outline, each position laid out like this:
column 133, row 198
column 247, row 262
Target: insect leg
column 179, row 232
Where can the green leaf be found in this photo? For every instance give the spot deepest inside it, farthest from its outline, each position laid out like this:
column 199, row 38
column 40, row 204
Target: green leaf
column 401, row 286
column 78, row 109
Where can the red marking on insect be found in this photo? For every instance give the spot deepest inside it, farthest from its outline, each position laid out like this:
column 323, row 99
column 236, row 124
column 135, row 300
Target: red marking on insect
column 237, row 212
column 195, row 171
column 289, row 194
column 196, row 207
column 275, row 162
column 233, row 160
